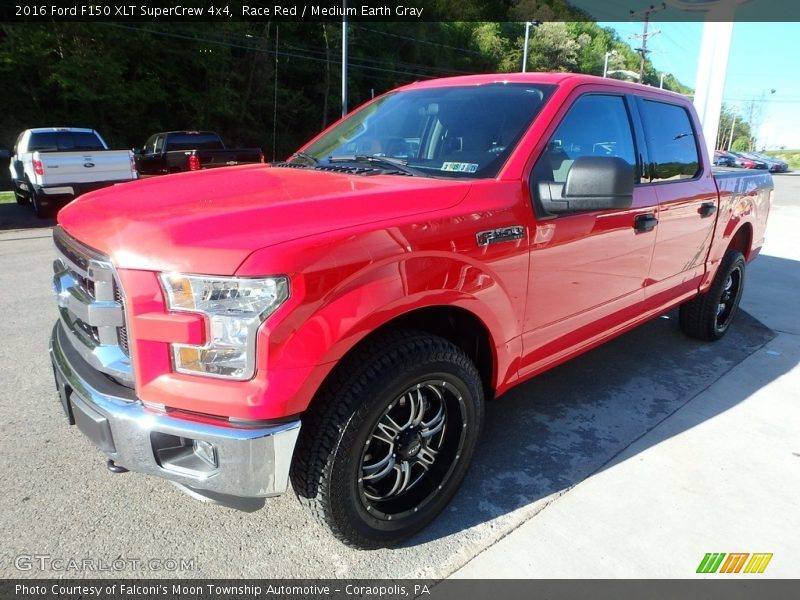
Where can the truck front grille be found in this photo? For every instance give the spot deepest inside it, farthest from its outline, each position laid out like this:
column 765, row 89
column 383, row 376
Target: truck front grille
column 91, row 306
column 122, row 332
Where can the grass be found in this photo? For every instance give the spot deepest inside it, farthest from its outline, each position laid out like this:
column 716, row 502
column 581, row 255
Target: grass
column 790, row 156
column 6, row 197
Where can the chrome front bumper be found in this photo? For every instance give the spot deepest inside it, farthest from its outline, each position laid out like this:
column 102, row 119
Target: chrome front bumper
column 248, row 463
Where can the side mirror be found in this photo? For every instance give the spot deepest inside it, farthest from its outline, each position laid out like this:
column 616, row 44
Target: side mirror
column 593, row 183
column 137, row 151
column 5, row 154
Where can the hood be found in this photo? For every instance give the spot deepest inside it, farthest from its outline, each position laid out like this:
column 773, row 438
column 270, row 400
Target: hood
column 208, row 222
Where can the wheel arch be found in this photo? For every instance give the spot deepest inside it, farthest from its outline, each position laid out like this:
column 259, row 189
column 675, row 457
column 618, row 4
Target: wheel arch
column 461, row 327
column 457, row 325
column 742, row 240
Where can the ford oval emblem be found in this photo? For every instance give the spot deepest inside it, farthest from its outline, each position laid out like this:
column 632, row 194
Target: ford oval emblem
column 88, row 165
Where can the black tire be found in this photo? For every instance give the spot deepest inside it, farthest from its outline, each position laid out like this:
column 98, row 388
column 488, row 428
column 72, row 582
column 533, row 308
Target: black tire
column 20, row 197
column 43, row 212
column 708, row 316
column 341, row 445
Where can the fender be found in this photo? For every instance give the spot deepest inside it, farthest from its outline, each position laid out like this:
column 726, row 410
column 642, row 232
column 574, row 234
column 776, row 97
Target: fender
column 304, row 347
column 744, row 204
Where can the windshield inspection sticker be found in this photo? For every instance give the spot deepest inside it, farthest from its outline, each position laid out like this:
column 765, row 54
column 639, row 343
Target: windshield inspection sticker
column 460, row 167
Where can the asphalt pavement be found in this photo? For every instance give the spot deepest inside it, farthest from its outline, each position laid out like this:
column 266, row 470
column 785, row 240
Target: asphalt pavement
column 557, row 451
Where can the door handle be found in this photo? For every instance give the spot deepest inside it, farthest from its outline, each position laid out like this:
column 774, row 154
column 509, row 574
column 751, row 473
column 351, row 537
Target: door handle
column 707, row 209
column 644, row 223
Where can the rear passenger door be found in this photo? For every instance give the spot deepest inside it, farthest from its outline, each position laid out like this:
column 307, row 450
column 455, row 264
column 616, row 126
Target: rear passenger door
column 687, row 201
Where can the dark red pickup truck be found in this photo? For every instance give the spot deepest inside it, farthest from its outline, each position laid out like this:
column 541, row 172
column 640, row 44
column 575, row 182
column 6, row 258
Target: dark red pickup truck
column 340, row 319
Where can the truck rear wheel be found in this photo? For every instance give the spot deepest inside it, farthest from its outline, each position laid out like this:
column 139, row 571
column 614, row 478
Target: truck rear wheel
column 709, row 316
column 41, row 211
column 385, row 447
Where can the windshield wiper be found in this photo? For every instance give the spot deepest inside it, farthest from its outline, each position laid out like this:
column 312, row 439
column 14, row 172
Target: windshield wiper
column 312, row 159
column 389, row 163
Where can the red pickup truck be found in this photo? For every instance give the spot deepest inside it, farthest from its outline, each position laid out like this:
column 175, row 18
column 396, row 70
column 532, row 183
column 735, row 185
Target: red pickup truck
column 340, row 319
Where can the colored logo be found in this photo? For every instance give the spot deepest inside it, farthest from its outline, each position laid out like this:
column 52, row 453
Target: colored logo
column 737, row 562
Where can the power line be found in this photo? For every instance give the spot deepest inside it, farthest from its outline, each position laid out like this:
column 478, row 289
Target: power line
column 262, row 50
column 417, row 40
column 337, row 55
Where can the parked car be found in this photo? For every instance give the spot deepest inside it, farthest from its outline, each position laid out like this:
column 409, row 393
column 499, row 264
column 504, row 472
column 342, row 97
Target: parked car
column 53, row 165
column 774, row 164
column 724, row 159
column 342, row 318
column 767, row 163
column 745, row 161
column 177, row 151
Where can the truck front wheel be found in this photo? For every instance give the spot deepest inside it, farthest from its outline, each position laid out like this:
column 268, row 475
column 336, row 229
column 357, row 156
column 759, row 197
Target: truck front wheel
column 709, row 316
column 385, row 447
column 19, row 196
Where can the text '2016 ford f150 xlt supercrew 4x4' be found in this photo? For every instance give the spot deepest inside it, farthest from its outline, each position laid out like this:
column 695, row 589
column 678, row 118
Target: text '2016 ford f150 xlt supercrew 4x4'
column 339, row 319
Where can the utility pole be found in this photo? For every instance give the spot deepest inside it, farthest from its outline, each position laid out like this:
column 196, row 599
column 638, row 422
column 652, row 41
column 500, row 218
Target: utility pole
column 751, row 121
column 528, row 25
column 645, row 14
column 605, row 63
column 735, row 111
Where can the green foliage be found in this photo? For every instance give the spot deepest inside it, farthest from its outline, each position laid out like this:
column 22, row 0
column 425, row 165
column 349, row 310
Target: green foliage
column 131, row 80
column 553, row 47
column 790, row 156
column 741, row 144
column 741, row 129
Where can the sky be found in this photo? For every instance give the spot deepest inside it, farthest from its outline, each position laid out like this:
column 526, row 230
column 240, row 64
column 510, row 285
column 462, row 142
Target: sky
column 763, row 58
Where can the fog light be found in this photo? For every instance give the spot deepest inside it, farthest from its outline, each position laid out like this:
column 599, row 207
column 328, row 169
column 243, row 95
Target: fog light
column 193, row 458
column 206, row 452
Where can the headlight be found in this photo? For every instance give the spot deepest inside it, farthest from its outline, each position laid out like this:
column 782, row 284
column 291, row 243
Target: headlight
column 235, row 308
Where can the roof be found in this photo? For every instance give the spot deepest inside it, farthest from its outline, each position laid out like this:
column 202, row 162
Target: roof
column 61, row 129
column 574, row 79
column 188, row 132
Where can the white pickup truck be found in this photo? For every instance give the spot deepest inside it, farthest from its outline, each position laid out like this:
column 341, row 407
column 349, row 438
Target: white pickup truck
column 53, row 165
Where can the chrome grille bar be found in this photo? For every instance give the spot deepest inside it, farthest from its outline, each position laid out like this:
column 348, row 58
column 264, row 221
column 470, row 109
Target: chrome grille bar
column 91, row 306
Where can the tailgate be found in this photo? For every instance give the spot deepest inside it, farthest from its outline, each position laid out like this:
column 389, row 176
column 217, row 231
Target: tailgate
column 85, row 167
column 222, row 158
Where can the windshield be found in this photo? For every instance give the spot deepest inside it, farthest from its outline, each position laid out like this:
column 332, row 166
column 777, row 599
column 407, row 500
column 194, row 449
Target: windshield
column 441, row 132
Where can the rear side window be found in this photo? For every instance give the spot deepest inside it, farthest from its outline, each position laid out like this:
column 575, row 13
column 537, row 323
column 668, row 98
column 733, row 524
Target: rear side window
column 671, row 142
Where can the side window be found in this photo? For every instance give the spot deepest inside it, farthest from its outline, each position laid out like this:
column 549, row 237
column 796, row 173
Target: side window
column 160, row 143
column 150, row 144
column 671, row 142
column 596, row 125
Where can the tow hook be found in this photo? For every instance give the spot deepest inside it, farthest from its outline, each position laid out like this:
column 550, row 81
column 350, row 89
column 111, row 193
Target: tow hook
column 115, row 468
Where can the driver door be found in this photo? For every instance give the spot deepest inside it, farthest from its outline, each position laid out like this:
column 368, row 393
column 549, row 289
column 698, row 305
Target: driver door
column 587, row 269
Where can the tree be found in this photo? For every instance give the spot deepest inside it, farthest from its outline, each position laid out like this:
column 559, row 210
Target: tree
column 554, row 47
column 247, row 80
column 741, row 144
